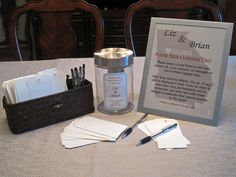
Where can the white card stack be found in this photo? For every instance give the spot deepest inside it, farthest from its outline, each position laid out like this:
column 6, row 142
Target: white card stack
column 169, row 140
column 88, row 130
column 43, row 83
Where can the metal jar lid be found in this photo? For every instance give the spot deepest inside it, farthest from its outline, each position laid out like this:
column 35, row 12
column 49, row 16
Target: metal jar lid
column 113, row 58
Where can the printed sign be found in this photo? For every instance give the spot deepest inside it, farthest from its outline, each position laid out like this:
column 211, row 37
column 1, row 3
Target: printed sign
column 115, row 91
column 185, row 68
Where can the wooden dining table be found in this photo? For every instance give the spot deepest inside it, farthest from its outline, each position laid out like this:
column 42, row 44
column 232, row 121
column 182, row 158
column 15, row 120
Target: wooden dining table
column 39, row 153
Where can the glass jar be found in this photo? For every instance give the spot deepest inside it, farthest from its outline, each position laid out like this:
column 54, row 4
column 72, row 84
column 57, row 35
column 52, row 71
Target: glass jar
column 114, row 80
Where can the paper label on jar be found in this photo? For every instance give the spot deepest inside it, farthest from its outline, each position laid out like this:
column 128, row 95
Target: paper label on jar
column 115, row 91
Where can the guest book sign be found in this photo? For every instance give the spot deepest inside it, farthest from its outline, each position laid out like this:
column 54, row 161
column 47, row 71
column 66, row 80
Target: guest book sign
column 185, row 69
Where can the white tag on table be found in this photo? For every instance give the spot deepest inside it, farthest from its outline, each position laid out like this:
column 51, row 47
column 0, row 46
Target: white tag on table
column 169, row 140
column 100, row 127
column 88, row 130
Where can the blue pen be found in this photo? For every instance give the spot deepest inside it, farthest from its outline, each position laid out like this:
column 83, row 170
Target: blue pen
column 164, row 130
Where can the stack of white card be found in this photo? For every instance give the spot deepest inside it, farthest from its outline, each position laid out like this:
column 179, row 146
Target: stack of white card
column 88, row 130
column 47, row 82
column 169, row 140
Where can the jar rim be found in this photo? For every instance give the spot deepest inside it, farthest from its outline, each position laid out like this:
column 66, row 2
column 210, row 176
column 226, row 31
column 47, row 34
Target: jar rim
column 113, row 57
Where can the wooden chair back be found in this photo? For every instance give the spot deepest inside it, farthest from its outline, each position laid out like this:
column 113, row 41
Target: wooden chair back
column 57, row 38
column 166, row 6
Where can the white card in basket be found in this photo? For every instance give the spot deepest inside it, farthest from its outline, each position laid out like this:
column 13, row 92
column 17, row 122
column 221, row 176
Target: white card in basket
column 40, row 86
column 58, row 79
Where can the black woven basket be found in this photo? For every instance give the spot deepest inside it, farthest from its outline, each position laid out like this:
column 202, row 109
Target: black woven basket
column 40, row 112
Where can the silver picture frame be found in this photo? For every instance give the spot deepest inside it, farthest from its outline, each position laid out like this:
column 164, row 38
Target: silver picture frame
column 184, row 70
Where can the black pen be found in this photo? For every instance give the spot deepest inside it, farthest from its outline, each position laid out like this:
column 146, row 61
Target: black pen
column 73, row 78
column 76, row 77
column 69, row 82
column 164, row 130
column 130, row 129
column 80, row 76
column 83, row 78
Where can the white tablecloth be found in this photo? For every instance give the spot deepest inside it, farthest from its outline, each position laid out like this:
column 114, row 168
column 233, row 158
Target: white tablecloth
column 39, row 153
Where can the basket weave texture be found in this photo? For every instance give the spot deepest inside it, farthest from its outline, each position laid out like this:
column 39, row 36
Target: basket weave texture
column 41, row 112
